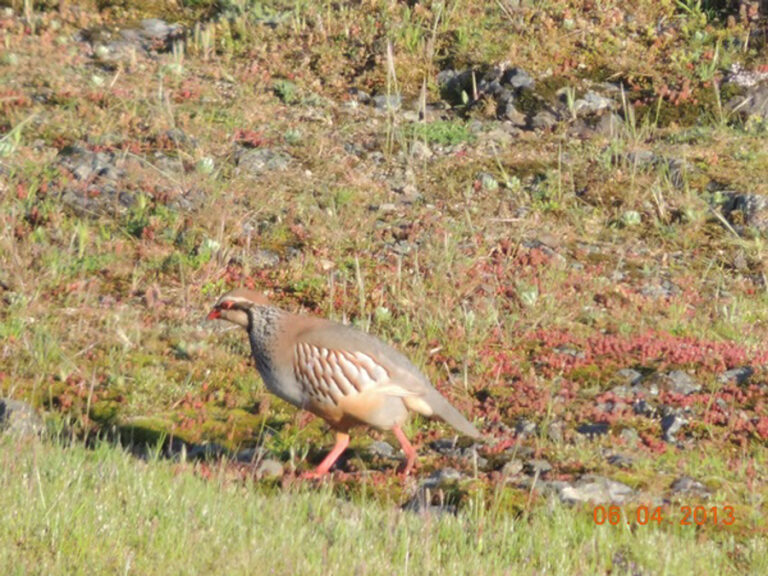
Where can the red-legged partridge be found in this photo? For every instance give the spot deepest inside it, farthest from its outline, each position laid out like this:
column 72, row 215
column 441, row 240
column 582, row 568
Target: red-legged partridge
column 347, row 377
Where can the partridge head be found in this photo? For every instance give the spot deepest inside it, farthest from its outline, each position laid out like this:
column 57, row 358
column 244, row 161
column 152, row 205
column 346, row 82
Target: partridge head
column 343, row 375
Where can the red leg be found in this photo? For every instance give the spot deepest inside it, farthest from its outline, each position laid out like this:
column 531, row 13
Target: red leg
column 342, row 441
column 410, row 452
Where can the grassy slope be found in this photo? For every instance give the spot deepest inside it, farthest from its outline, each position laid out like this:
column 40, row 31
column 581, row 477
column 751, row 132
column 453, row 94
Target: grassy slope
column 101, row 511
column 100, row 322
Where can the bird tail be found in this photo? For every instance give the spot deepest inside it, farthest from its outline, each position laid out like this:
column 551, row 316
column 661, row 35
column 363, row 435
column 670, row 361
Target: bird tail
column 447, row 413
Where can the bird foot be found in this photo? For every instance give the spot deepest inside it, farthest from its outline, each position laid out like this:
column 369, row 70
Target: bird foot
column 313, row 475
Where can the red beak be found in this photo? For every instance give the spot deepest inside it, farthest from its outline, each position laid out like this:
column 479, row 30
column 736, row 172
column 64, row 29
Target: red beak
column 213, row 314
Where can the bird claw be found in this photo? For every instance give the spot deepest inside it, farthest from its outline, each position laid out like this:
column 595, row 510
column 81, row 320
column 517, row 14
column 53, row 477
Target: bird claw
column 312, row 475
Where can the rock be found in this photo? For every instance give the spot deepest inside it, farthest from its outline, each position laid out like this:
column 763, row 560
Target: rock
column 738, row 376
column 555, row 432
column 382, row 449
column 641, row 158
column 610, row 125
column 454, row 85
column 525, row 427
column 360, row 96
column 255, row 162
column 518, row 79
column 154, row 35
column 181, row 138
column 679, row 382
column 157, row 29
column 678, row 169
column 249, row 455
column 620, row 461
column 537, row 467
column 629, row 377
column 593, row 430
column 753, row 103
column 264, row 258
column 430, row 495
column 544, row 120
column 687, row 485
column 630, row 436
column 448, row 447
column 592, row 103
column 269, row 468
column 508, row 111
column 745, row 211
column 420, row 150
column 86, row 165
column 98, row 188
column 671, row 424
column 19, row 419
column 596, row 490
column 441, row 477
column 188, row 201
column 642, row 407
column 205, row 451
column 387, row 102
column 512, row 468
column 740, row 76
column 663, row 289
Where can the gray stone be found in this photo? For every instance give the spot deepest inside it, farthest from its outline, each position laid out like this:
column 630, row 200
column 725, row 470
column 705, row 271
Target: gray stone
column 518, row 78
column 525, row 427
column 745, row 211
column 609, row 125
column 537, row 467
column 592, row 103
column 188, row 201
column 671, row 424
column 739, row 376
column 596, row 490
column 157, row 29
column 441, row 477
column 679, row 382
column 86, row 165
column 620, row 461
column 643, row 407
column 630, row 436
column 205, row 451
column 269, row 468
column 555, row 432
column 387, row 102
column 382, row 449
column 512, row 468
column 544, row 120
column 629, row 376
column 753, row 103
column 420, row 150
column 264, row 258
column 687, row 485
column 98, row 187
column 19, row 419
column 641, row 158
column 593, row 430
column 249, row 455
column 663, row 289
column 508, row 111
column 255, row 162
column 740, row 76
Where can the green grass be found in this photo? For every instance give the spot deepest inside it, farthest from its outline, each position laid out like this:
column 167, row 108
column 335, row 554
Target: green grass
column 103, row 511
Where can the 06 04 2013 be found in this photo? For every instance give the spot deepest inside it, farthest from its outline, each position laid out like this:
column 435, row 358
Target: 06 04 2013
column 682, row 515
